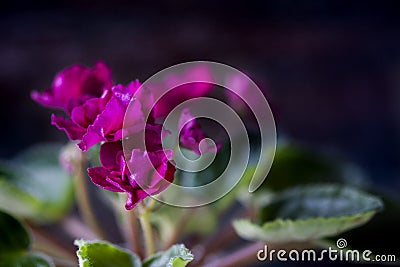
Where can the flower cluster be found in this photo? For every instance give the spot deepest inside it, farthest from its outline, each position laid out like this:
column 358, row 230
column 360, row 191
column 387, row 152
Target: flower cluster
column 96, row 108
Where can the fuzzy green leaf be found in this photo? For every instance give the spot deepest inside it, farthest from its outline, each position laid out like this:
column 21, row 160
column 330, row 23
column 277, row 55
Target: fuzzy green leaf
column 13, row 235
column 15, row 244
column 25, row 260
column 103, row 254
column 176, row 256
column 310, row 213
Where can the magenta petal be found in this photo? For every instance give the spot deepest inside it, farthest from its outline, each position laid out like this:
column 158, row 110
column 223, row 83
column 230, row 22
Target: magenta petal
column 66, row 85
column 108, row 125
column 105, row 179
column 98, row 79
column 165, row 171
column 152, row 171
column 113, row 180
column 130, row 202
column 85, row 114
column 153, row 136
column 89, row 140
column 191, row 88
column 160, row 160
column 73, row 131
column 105, row 125
column 110, row 155
column 192, row 134
column 73, row 83
column 130, row 89
column 139, row 166
column 135, row 120
column 134, row 198
column 46, row 98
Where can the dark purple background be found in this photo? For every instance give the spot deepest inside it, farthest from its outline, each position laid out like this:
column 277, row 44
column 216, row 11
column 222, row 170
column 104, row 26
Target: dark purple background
column 331, row 68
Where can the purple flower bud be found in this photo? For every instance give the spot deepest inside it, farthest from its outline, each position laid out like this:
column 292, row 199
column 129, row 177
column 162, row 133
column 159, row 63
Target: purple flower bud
column 191, row 134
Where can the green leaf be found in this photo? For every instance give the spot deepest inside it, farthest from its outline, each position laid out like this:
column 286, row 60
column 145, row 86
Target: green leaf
column 176, row 256
column 103, row 254
column 15, row 244
column 13, row 235
column 310, row 213
column 25, row 260
column 280, row 231
column 320, row 200
column 34, row 185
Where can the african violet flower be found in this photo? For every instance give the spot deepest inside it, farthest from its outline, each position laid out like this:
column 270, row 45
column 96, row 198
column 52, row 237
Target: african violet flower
column 96, row 111
column 98, row 119
column 137, row 177
column 107, row 125
column 132, row 172
column 75, row 85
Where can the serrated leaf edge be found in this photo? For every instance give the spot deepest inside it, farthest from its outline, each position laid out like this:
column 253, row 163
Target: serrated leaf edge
column 238, row 224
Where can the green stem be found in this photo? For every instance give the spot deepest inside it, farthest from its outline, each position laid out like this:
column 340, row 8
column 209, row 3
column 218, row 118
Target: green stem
column 128, row 223
column 82, row 196
column 144, row 218
column 132, row 233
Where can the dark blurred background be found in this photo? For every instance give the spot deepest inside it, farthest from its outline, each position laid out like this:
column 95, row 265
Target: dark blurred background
column 331, row 69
